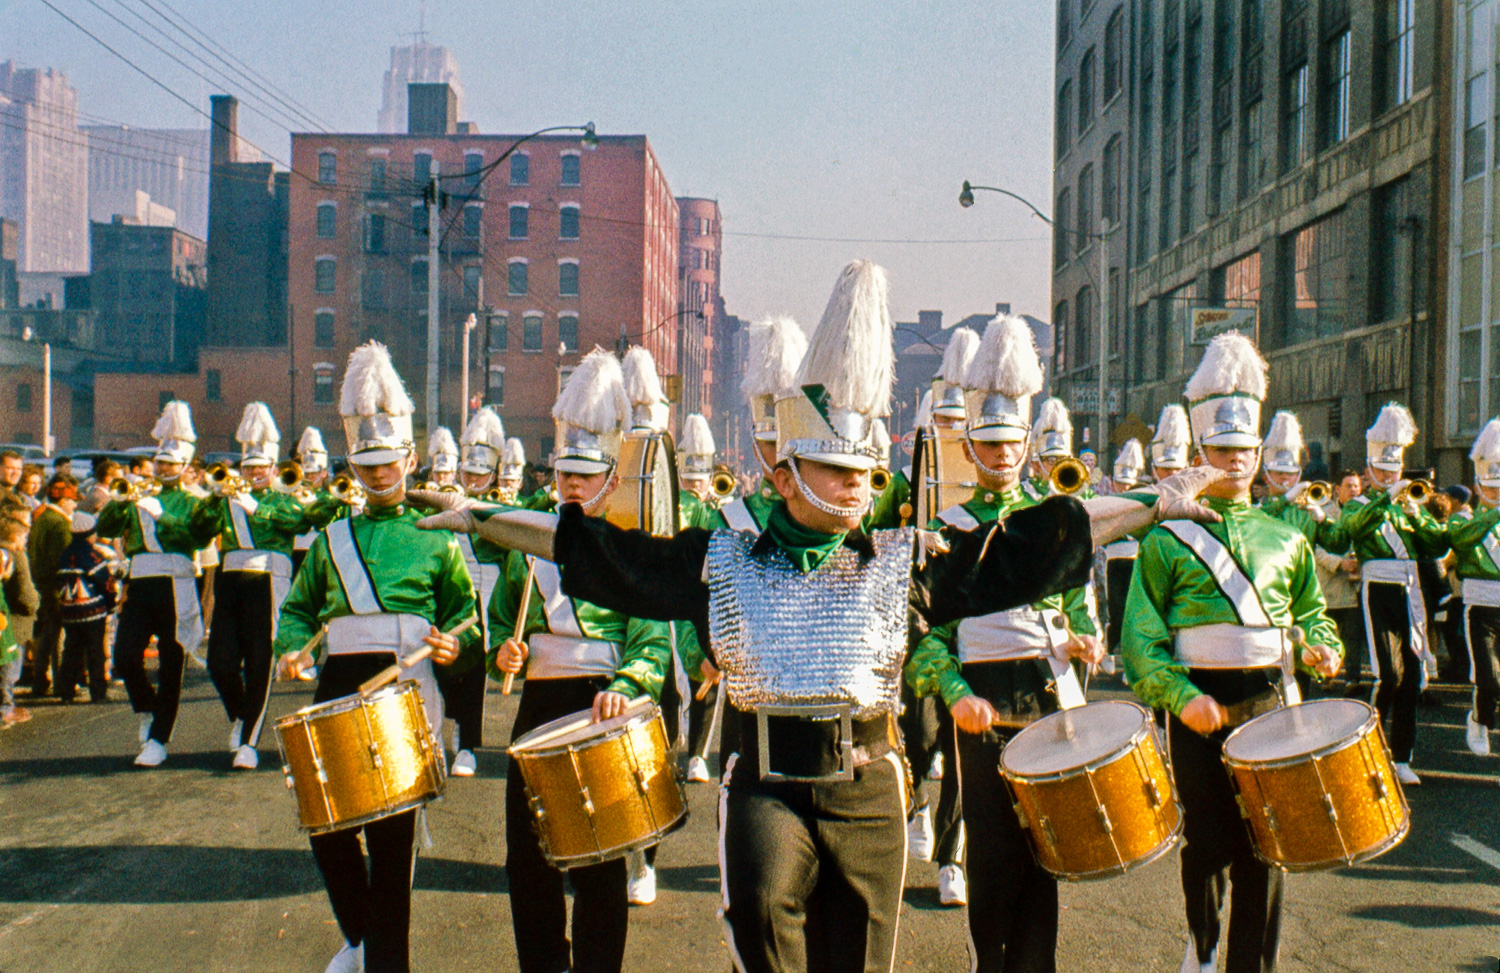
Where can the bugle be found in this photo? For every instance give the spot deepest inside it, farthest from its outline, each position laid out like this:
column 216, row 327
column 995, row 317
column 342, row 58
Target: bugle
column 1315, row 494
column 880, row 478
column 288, row 478
column 1068, row 476
column 346, row 490
column 1417, row 491
column 224, row 481
column 722, row 484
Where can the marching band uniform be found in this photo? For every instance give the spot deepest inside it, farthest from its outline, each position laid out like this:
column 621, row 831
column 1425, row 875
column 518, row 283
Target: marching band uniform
column 1052, row 439
column 512, row 466
column 1389, row 538
column 1476, row 544
column 161, row 597
column 377, row 584
column 1171, row 442
column 577, row 650
column 1196, row 623
column 775, row 349
column 442, row 457
column 312, row 456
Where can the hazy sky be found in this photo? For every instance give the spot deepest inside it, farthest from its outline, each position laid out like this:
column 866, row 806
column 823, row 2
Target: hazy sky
column 819, row 118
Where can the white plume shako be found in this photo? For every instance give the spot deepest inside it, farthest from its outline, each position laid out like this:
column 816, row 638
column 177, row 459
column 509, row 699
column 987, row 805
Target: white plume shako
column 1001, row 381
column 883, row 443
column 513, row 462
column 948, row 383
column 1130, row 463
column 442, row 451
column 924, row 411
column 1225, row 394
column 776, row 347
column 259, row 439
column 1387, row 440
column 311, row 452
column 375, row 408
column 1052, row 433
column 173, row 432
column 845, row 380
column 648, row 403
column 590, row 413
column 1486, row 455
column 482, row 442
column 1172, row 440
column 1282, row 450
column 695, row 451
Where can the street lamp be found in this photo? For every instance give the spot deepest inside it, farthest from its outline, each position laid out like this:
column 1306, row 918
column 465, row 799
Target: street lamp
column 26, row 335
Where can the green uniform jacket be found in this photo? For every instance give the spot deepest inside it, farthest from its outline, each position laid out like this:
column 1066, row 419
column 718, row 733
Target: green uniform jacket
column 1467, row 533
column 1329, row 535
column 886, row 512
column 1171, row 589
column 415, row 572
column 174, row 529
column 692, row 512
column 933, row 667
column 278, row 519
column 1363, row 517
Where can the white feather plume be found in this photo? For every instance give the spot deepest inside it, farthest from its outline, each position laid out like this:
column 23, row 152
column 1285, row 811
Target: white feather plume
column 880, row 437
column 1487, row 446
column 776, row 348
column 1132, row 456
column 176, row 422
column 639, row 374
column 1172, row 427
column 1285, row 434
column 697, row 438
column 1230, row 364
column 850, row 353
column 484, row 427
column 441, row 443
column 962, row 345
column 257, row 425
column 594, row 398
column 515, row 453
column 924, row 411
column 371, row 384
column 1393, row 425
column 1007, row 362
column 311, row 442
column 1052, row 417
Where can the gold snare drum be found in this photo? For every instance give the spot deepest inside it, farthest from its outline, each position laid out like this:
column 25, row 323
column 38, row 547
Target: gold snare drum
column 598, row 791
column 1316, row 785
column 355, row 759
column 1092, row 790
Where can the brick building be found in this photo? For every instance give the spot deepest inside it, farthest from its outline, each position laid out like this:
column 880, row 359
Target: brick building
column 148, row 293
column 700, row 246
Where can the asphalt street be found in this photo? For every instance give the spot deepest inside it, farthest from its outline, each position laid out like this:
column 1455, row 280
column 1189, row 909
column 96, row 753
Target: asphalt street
column 104, row 867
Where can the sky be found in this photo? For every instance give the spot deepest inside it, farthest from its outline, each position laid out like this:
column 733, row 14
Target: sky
column 851, row 122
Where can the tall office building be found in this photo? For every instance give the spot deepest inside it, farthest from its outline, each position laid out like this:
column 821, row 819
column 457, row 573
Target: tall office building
column 44, row 170
column 418, row 63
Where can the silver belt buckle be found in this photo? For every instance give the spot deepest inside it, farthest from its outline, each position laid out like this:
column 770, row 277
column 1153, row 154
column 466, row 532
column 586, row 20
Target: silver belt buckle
column 844, row 712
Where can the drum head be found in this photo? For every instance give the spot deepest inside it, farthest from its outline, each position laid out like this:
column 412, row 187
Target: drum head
column 576, row 728
column 1296, row 730
column 1073, row 738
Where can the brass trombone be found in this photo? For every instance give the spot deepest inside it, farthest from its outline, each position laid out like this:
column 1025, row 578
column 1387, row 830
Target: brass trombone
column 1068, row 476
column 129, row 491
column 495, row 495
column 1315, row 494
column 224, row 481
column 1417, row 491
column 346, row 490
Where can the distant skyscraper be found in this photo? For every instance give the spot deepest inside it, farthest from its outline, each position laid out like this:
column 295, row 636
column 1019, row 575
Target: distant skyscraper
column 422, row 63
column 169, row 164
column 44, row 170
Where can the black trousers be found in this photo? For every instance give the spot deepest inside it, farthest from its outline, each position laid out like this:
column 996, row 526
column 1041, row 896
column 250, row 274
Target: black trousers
column 151, row 609
column 1217, row 854
column 927, row 730
column 46, row 644
column 538, row 907
column 1351, row 625
column 83, row 660
column 1484, row 651
column 812, row 873
column 239, row 648
column 1117, row 572
column 1400, row 671
column 463, row 703
column 1012, row 900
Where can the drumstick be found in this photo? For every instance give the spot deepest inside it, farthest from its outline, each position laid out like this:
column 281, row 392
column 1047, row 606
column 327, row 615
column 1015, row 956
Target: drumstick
column 510, row 677
column 307, row 649
column 389, row 673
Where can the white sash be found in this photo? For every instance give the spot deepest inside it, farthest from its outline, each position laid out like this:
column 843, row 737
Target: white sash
column 1031, row 491
column 1481, row 591
column 359, row 589
column 1492, row 548
column 1227, row 574
column 148, row 510
column 1392, row 538
column 959, row 518
column 1122, row 550
column 737, row 515
column 157, row 564
column 485, row 576
column 561, row 619
column 304, row 542
column 1401, row 571
column 241, row 509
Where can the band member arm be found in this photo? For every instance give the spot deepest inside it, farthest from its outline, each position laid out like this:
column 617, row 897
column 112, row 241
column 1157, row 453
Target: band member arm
column 885, row 512
column 932, row 668
column 1467, row 531
column 455, row 601
column 115, row 518
column 1111, row 518
column 645, row 658
column 302, row 611
column 690, row 650
column 505, row 602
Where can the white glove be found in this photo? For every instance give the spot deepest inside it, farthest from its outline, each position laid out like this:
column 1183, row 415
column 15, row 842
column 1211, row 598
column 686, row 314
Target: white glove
column 455, row 511
column 1295, row 493
column 1178, row 495
column 1317, row 513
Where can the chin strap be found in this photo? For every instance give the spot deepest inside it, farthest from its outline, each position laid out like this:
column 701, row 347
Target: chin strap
column 371, row 491
column 589, row 503
column 999, row 471
column 819, row 502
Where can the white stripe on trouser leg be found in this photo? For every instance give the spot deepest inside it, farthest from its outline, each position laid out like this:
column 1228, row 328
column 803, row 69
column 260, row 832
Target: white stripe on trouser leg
column 734, row 953
column 1364, row 604
column 900, row 773
column 1473, row 666
column 253, row 737
column 958, row 768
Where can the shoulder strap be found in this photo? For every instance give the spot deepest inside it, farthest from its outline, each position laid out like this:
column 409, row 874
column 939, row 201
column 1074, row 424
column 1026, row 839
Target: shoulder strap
column 241, row 509
column 956, row 516
column 561, row 619
column 1392, row 538
column 1031, row 490
column 147, row 510
column 1227, row 573
column 738, row 516
column 354, row 574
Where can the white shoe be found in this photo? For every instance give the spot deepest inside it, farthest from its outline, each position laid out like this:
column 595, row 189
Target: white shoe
column 1191, row 963
column 153, row 754
column 234, row 736
column 464, row 764
column 1477, row 735
column 350, row 959
column 935, row 771
column 698, row 770
column 246, row 758
column 146, row 719
column 1407, row 776
column 953, row 888
column 919, row 836
column 641, row 889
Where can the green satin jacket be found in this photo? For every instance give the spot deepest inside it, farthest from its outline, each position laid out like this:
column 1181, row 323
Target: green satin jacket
column 1467, row 533
column 1171, row 590
column 174, row 528
column 893, row 508
column 274, row 526
column 1330, row 535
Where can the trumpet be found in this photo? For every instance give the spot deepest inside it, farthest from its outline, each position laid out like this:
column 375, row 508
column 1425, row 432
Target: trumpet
column 722, row 484
column 128, row 491
column 495, row 495
column 288, row 478
column 880, row 478
column 346, row 490
column 1068, row 476
column 224, row 481
column 1315, row 494
column 1417, row 491
column 432, row 486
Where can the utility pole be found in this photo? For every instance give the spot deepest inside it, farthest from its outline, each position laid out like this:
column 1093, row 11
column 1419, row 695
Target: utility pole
column 469, row 324
column 434, row 197
column 1102, row 448
column 47, row 443
column 291, row 370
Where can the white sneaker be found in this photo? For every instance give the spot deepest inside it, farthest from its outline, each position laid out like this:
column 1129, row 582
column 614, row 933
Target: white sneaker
column 935, row 771
column 153, row 754
column 146, row 719
column 464, row 764
column 234, row 736
column 1407, row 776
column 919, row 835
column 1477, row 735
column 246, row 758
column 641, row 889
column 350, row 959
column 698, row 770
column 953, row 888
column 1191, row 963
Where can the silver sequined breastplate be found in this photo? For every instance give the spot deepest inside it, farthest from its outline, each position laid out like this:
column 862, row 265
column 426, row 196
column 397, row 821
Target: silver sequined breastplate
column 834, row 635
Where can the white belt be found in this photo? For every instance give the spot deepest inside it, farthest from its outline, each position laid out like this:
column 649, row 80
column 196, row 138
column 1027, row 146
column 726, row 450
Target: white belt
column 564, row 657
column 1225, row 646
column 1122, row 550
column 390, row 632
column 150, row 565
column 1478, row 591
column 184, row 575
column 1389, row 571
column 1402, row 571
column 274, row 563
column 1020, row 633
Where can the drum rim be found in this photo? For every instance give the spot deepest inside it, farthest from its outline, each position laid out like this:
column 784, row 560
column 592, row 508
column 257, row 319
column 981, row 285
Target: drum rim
column 520, row 749
column 1168, row 843
column 1374, row 851
column 365, row 819
column 1326, row 750
column 1148, row 728
column 618, row 851
column 345, row 704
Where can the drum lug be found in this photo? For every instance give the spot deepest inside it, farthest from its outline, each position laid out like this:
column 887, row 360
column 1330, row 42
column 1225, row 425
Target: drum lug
column 1378, row 783
column 318, row 766
column 588, row 802
column 291, row 782
column 1153, row 792
column 1244, row 811
column 535, row 803
column 1049, row 833
column 1021, row 816
column 1271, row 821
column 1104, row 821
column 375, row 755
column 640, row 780
column 1333, row 814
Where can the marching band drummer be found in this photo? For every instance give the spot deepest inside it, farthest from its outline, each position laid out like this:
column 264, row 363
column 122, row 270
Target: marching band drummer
column 256, row 527
column 312, row 456
column 1205, row 637
column 161, row 597
column 998, row 672
column 1476, row 544
column 812, row 849
column 383, row 589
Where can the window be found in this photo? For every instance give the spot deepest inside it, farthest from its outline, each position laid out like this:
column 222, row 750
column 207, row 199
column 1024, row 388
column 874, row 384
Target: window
column 516, row 278
column 419, row 219
column 567, row 333
column 1062, row 222
column 567, row 278
column 1064, row 118
column 323, row 275
column 1252, row 150
column 496, row 385
column 473, row 162
column 421, row 168
column 1086, row 91
column 1223, row 41
column 323, row 384
column 519, row 221
column 372, row 288
column 498, row 332
column 572, row 168
column 375, row 233
column 1222, row 179
column 520, row 169
column 377, row 175
column 1189, row 206
column 1064, row 23
column 1237, row 284
column 567, row 221
column 327, row 220
column 1395, row 272
column 531, row 332
column 1317, row 299
column 1476, row 110
column 1086, row 228
column 1294, row 128
column 473, row 221
column 1083, row 328
column 1399, row 51
column 1164, row 224
column 472, row 281
column 323, row 329
column 1336, row 90
column 1060, row 337
column 1142, row 364
column 23, row 397
column 328, row 168
column 419, row 277
column 1114, row 45
column 213, row 385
